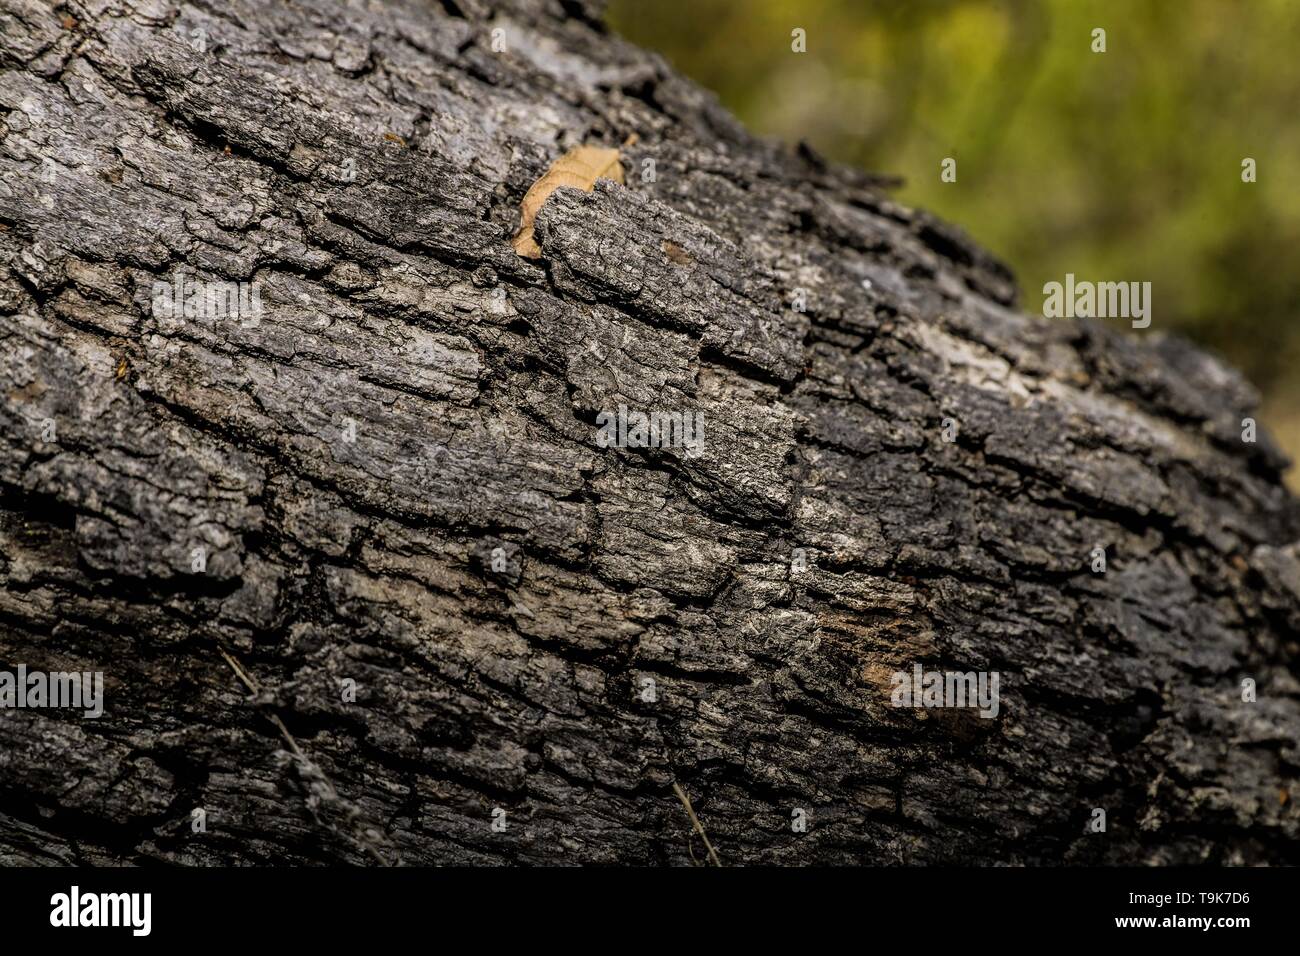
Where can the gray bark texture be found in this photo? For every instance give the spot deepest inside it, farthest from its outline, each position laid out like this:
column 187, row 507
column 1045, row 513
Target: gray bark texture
column 395, row 481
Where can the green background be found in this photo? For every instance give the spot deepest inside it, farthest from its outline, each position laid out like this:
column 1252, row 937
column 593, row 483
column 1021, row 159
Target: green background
column 1123, row 165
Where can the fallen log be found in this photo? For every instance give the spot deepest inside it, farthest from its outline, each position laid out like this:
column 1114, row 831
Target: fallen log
column 364, row 586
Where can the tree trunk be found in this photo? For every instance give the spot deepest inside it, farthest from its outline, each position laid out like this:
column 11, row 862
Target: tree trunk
column 391, row 480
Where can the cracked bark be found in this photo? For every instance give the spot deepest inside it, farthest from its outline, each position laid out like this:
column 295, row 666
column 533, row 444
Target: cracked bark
column 133, row 147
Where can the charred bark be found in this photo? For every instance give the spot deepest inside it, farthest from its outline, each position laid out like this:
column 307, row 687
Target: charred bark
column 390, row 476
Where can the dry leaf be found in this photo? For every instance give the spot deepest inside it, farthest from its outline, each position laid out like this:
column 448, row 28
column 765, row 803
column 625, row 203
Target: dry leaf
column 676, row 253
column 579, row 168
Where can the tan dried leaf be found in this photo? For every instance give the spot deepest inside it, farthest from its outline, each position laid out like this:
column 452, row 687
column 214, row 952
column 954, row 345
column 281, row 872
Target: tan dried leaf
column 579, row 168
column 676, row 253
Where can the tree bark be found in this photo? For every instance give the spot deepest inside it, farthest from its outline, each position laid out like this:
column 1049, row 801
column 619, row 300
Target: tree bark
column 392, row 478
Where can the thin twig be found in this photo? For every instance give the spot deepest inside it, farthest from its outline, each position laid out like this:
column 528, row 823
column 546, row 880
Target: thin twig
column 695, row 821
column 275, row 718
column 252, row 685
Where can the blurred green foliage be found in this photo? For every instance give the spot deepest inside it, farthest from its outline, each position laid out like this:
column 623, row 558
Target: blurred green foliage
column 1123, row 165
